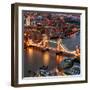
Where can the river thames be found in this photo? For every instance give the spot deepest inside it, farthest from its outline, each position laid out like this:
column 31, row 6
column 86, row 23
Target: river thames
column 34, row 58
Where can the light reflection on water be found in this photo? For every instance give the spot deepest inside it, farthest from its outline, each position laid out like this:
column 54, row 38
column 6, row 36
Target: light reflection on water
column 46, row 58
column 34, row 59
column 30, row 52
column 59, row 58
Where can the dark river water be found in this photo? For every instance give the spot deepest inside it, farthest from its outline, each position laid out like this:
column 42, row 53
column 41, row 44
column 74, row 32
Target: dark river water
column 34, row 59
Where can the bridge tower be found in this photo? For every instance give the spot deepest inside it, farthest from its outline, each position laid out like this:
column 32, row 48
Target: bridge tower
column 45, row 41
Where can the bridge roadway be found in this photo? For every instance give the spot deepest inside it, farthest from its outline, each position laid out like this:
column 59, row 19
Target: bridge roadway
column 64, row 50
